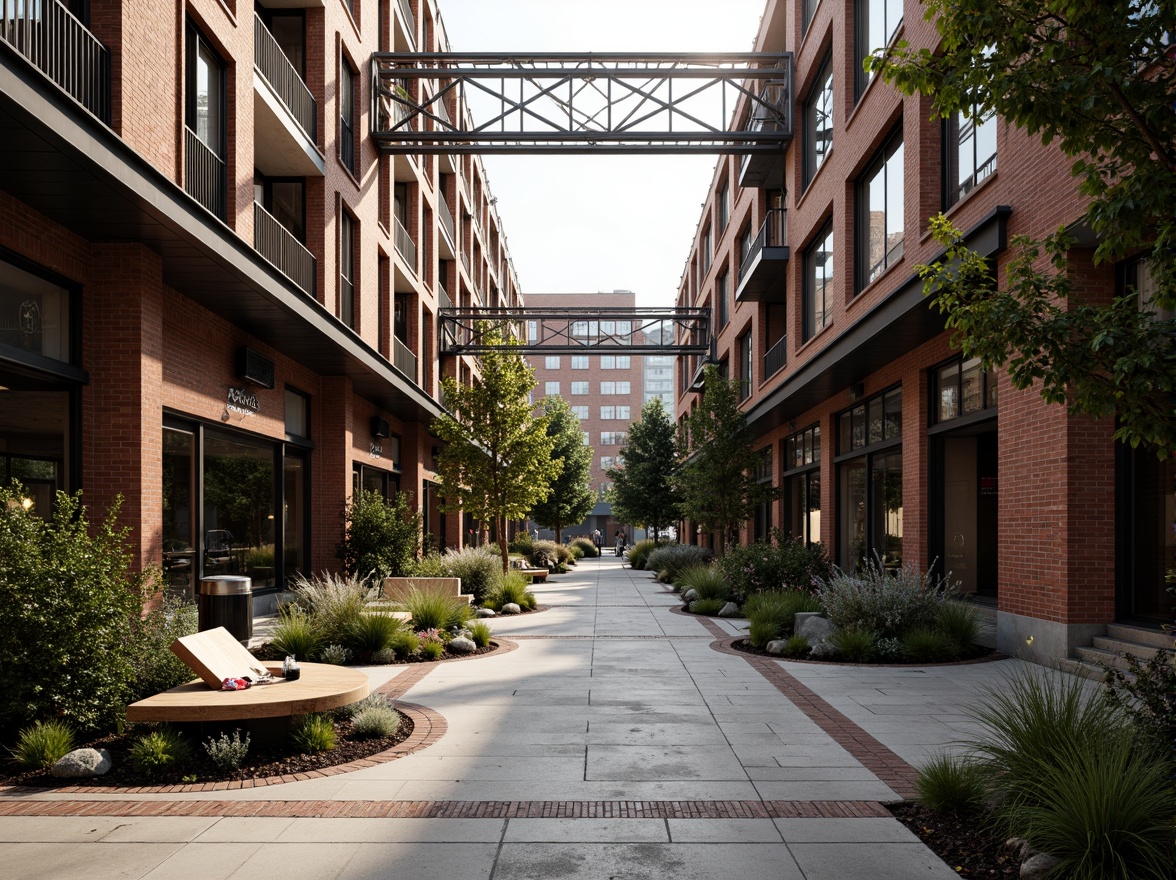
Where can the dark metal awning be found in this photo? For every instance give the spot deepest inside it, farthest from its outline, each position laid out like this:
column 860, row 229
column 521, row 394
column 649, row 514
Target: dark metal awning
column 585, row 103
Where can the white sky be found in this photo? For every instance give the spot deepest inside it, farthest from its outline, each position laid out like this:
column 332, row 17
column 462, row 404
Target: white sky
column 577, row 224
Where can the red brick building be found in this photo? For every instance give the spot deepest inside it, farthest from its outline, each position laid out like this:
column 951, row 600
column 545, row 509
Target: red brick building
column 216, row 299
column 880, row 437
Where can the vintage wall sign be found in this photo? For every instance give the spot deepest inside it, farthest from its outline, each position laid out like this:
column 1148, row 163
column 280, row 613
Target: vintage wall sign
column 375, row 450
column 242, row 401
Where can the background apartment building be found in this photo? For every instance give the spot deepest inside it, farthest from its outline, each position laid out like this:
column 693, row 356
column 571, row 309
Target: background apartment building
column 216, row 299
column 882, row 441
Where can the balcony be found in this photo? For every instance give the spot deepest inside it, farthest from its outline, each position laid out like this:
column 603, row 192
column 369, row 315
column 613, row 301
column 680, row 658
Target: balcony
column 50, row 38
column 763, row 269
column 405, row 246
column 285, row 113
column 274, row 242
column 448, row 240
column 407, row 30
column 776, row 357
column 404, row 359
column 204, row 174
column 443, row 299
column 767, row 169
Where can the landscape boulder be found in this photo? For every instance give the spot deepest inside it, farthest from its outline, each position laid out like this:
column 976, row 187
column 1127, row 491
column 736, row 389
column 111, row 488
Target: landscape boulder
column 817, row 632
column 511, row 608
column 729, row 610
column 461, row 645
column 81, row 764
column 776, row 646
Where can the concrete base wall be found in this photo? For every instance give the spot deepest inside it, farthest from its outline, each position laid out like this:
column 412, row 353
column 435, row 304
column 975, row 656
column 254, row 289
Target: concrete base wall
column 1042, row 641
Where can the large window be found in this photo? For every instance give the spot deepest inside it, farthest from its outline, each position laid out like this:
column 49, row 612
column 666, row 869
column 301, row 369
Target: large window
column 970, row 147
column 579, row 388
column 877, row 21
column 721, row 294
column 611, row 413
column 613, row 438
column 347, row 268
column 615, row 388
column 870, row 482
column 962, row 388
column 616, row 362
column 762, row 523
column 802, row 485
column 745, row 366
column 551, row 389
column 579, row 362
column 818, row 283
column 580, row 412
column 205, row 93
column 347, row 103
column 818, row 122
column 724, row 205
column 880, row 214
column 551, row 362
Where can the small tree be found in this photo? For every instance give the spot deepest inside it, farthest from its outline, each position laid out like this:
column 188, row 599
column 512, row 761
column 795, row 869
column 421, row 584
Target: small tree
column 644, row 485
column 496, row 462
column 718, row 484
column 1097, row 79
column 380, row 538
column 570, row 498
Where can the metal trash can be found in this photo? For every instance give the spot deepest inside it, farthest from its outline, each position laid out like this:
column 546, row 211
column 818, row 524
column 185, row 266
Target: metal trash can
column 227, row 601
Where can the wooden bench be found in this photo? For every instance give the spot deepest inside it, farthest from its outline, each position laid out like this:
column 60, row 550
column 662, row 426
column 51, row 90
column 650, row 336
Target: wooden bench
column 215, row 655
column 396, row 589
column 538, row 575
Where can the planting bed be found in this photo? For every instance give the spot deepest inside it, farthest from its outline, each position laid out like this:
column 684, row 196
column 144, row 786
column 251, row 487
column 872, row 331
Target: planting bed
column 980, row 654
column 963, row 843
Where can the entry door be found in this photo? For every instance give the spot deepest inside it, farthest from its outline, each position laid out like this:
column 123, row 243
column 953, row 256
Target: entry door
column 967, row 535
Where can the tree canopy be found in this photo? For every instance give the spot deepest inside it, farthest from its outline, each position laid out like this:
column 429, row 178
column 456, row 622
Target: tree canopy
column 1094, row 77
column 496, row 462
column 717, row 481
column 570, row 498
column 644, row 486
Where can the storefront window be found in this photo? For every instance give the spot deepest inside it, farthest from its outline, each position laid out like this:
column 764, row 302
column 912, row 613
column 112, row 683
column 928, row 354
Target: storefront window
column 34, row 314
column 239, row 508
column 294, row 513
column 962, row 388
column 179, row 473
column 802, row 485
column 870, row 483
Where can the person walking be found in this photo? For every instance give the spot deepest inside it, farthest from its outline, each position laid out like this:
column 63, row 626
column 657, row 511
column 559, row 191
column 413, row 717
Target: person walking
column 620, row 536
column 598, row 540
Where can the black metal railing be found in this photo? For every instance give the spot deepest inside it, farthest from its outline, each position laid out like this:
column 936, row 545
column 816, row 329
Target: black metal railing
column 776, row 357
column 404, row 244
column 289, row 256
column 404, row 359
column 409, row 19
column 204, row 174
column 272, row 63
column 771, row 234
column 61, row 47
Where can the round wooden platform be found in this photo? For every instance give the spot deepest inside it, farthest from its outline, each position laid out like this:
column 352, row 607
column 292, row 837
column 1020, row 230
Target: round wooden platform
column 322, row 686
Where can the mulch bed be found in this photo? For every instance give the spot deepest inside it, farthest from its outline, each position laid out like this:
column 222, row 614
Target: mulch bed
column 261, row 762
column 980, row 655
column 963, row 843
column 266, row 652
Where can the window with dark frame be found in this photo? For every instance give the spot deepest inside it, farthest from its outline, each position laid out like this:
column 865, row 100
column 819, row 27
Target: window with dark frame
column 347, row 268
column 724, row 201
column 969, row 142
column 869, row 482
column 205, row 99
column 818, row 283
column 960, row 388
column 347, row 103
column 762, row 522
column 877, row 22
column 721, row 296
column 802, row 485
column 745, row 366
column 818, row 122
column 880, row 213
column 809, row 7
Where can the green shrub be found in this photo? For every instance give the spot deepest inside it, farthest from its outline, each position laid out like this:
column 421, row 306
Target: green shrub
column 371, row 632
column 772, row 615
column 313, row 734
column 431, row 565
column 334, row 602
column 405, row 644
column 433, row 609
column 381, row 537
column 784, row 565
column 520, row 543
column 511, row 587
column 546, row 554
column 432, row 650
column 586, row 547
column 375, row 721
column 352, row 709
column 639, row 553
column 1147, row 694
column 926, row 645
column 70, row 640
column 162, row 749
column 960, row 622
column 576, row 551
column 708, row 582
column 706, row 607
column 336, row 655
column 43, row 744
column 480, row 634
column 796, row 646
column 949, row 784
column 154, row 665
column 295, row 634
column 669, row 559
column 478, row 568
column 854, row 644
column 887, row 604
column 227, row 752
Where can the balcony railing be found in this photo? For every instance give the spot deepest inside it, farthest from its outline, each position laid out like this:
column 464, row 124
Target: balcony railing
column 272, row 63
column 60, row 46
column 465, row 261
column 274, row 242
column 443, row 299
column 204, row 174
column 404, row 359
column 771, row 234
column 446, row 219
column 404, row 244
column 409, row 19
column 776, row 357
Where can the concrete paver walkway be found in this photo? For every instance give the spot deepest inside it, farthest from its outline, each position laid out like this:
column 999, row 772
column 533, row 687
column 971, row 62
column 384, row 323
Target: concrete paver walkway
column 615, row 742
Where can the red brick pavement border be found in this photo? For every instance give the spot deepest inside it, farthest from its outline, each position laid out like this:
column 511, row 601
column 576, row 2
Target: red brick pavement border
column 457, row 809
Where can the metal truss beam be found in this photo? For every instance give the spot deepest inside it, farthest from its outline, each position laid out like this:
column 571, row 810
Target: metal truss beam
column 586, row 330
column 590, row 103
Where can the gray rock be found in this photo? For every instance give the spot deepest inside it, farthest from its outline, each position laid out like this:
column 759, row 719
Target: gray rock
column 1019, row 847
column 729, row 610
column 511, row 608
column 816, row 631
column 801, row 617
column 1038, row 866
column 486, row 612
column 690, row 595
column 461, row 645
column 776, row 646
column 82, row 763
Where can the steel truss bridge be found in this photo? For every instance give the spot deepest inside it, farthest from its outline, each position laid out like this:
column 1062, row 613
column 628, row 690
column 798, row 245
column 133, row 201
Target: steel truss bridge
column 586, row 103
column 583, row 330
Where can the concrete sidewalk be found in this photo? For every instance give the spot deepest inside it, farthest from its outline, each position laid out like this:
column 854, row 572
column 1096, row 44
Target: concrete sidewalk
column 616, row 741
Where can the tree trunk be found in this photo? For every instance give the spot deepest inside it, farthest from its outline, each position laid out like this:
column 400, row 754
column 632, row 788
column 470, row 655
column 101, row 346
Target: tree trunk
column 558, row 533
column 502, row 545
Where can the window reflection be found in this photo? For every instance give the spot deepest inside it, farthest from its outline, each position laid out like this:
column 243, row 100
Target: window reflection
column 239, row 508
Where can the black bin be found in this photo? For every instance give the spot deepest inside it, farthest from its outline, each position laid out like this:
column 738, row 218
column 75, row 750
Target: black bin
column 227, row 601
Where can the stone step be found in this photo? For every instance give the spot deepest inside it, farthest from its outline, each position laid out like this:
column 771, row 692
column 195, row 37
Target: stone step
column 1140, row 635
column 1078, row 667
column 1100, row 657
column 1142, row 652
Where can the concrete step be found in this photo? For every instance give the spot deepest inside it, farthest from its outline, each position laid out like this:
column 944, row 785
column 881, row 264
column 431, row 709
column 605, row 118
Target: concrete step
column 1142, row 652
column 1100, row 657
column 1078, row 667
column 1140, row 635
